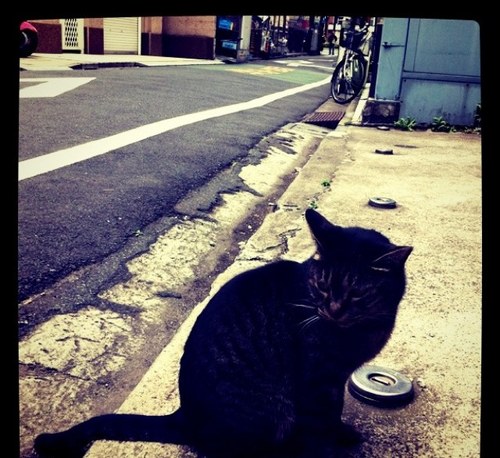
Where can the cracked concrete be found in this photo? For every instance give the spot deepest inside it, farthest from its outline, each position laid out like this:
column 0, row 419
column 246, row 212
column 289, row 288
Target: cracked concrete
column 102, row 348
column 436, row 180
column 437, row 340
column 68, row 343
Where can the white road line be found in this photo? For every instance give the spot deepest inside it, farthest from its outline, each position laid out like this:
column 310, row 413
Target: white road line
column 58, row 159
column 50, row 87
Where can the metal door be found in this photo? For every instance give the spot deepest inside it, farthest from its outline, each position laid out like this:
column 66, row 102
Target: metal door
column 432, row 67
column 441, row 72
column 121, row 35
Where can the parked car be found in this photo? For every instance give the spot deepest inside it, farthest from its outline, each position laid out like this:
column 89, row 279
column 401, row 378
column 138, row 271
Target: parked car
column 29, row 39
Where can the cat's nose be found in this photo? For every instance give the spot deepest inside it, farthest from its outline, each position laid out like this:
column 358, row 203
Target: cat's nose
column 335, row 306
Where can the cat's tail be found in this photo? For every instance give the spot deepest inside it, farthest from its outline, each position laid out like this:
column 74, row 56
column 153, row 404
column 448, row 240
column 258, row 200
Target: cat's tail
column 74, row 442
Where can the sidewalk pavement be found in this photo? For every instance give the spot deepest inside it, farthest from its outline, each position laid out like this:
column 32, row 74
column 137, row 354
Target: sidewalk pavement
column 435, row 178
column 75, row 61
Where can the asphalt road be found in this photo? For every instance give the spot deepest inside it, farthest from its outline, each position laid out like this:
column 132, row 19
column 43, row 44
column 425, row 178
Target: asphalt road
column 86, row 212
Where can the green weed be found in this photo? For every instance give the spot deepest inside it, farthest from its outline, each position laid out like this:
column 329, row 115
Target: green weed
column 407, row 123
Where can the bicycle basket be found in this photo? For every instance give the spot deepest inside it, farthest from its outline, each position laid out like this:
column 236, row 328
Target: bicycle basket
column 351, row 39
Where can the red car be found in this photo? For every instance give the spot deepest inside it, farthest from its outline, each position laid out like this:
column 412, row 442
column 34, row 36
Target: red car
column 29, row 39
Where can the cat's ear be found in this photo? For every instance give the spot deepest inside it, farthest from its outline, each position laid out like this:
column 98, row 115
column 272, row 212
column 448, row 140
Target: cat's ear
column 393, row 259
column 320, row 227
column 314, row 219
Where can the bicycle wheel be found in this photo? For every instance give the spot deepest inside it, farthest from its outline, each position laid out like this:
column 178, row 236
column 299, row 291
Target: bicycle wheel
column 348, row 79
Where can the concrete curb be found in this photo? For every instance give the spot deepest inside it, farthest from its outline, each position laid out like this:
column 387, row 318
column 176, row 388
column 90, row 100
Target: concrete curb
column 435, row 178
column 68, row 61
column 282, row 234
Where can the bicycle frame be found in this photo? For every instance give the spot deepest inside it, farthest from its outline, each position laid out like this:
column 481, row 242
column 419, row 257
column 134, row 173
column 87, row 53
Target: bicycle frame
column 351, row 73
column 363, row 49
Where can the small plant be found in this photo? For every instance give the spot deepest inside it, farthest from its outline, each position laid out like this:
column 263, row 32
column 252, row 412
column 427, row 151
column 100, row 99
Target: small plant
column 477, row 117
column 313, row 204
column 475, row 128
column 439, row 124
column 326, row 183
column 407, row 123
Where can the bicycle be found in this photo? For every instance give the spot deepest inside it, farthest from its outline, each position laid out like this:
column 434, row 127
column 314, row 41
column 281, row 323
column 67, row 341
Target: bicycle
column 350, row 74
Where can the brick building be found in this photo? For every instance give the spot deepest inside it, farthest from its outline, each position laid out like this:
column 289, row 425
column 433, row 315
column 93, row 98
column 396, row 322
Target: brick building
column 201, row 37
column 177, row 36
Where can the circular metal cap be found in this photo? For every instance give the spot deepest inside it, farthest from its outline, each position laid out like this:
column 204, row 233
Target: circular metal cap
column 382, row 202
column 380, row 386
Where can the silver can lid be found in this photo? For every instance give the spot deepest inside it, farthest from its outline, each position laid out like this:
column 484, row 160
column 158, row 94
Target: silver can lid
column 380, row 386
column 382, row 202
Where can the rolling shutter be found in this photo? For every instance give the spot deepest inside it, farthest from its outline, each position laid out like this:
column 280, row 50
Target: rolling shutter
column 121, row 35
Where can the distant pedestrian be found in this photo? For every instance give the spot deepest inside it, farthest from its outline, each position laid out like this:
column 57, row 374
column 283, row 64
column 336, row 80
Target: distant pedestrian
column 331, row 43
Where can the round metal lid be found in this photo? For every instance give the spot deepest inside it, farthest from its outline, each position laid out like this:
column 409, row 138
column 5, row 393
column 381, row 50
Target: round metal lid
column 380, row 386
column 382, row 202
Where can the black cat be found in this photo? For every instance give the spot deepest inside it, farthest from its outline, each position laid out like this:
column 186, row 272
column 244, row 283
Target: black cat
column 264, row 368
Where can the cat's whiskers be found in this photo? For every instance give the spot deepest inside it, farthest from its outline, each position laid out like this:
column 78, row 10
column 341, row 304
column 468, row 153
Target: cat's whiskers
column 303, row 325
column 301, row 305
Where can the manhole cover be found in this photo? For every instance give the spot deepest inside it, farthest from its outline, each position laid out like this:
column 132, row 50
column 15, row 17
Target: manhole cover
column 328, row 119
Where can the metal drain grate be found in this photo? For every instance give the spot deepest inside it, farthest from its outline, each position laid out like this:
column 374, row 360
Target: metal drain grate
column 325, row 118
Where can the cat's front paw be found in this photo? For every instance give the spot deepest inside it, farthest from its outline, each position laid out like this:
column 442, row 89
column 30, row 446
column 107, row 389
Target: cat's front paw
column 348, row 435
column 322, row 452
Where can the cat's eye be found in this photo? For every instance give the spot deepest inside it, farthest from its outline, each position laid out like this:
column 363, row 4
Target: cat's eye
column 357, row 296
